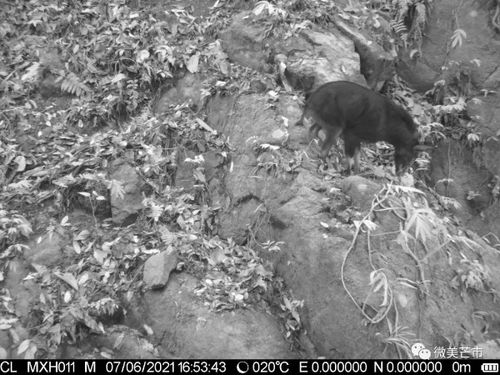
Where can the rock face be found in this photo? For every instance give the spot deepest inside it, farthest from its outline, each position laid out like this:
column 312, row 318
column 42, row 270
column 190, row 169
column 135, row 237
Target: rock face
column 312, row 58
column 311, row 216
column 473, row 171
column 186, row 90
column 455, row 173
column 47, row 252
column 372, row 284
column 324, row 261
column 125, row 209
column 157, row 269
column 482, row 43
column 377, row 65
column 191, row 330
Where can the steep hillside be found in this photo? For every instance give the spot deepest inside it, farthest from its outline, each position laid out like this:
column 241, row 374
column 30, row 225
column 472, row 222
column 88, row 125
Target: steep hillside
column 159, row 200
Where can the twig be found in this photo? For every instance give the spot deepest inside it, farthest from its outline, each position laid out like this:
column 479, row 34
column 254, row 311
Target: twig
column 379, row 317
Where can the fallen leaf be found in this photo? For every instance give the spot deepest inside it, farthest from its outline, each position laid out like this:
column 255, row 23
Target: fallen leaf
column 148, row 330
column 68, row 278
column 192, row 64
column 23, row 346
column 142, row 56
column 21, row 163
column 67, row 296
column 118, row 341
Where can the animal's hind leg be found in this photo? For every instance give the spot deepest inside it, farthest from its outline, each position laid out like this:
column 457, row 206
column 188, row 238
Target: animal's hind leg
column 352, row 146
column 356, row 159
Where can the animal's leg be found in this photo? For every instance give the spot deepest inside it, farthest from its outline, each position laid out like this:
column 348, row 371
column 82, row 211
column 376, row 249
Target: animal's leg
column 352, row 146
column 402, row 158
column 313, row 131
column 332, row 132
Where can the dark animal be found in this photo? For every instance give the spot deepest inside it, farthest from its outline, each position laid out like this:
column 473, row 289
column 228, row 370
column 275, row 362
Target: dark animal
column 360, row 114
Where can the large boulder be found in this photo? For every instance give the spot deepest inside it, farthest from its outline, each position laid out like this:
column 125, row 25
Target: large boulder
column 310, row 58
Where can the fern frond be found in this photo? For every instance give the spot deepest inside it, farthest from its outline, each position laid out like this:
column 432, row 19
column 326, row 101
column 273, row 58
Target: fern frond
column 399, row 27
column 72, row 85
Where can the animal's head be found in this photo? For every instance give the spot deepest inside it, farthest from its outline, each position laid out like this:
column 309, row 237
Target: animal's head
column 409, row 144
column 403, row 157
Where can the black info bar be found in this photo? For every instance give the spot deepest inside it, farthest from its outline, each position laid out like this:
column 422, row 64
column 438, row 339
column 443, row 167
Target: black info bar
column 177, row 366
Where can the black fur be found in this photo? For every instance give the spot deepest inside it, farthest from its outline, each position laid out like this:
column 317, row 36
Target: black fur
column 360, row 114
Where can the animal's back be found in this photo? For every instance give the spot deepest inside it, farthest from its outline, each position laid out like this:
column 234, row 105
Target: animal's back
column 359, row 114
column 359, row 110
